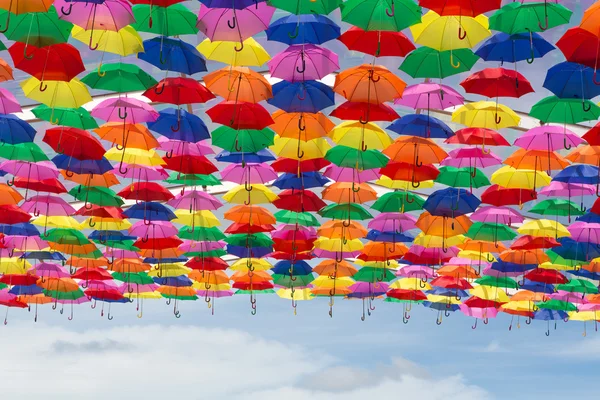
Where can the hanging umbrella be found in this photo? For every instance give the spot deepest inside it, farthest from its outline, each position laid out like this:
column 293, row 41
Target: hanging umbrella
column 167, row 21
column 242, row 23
column 381, row 15
column 529, row 17
column 426, row 62
column 305, row 28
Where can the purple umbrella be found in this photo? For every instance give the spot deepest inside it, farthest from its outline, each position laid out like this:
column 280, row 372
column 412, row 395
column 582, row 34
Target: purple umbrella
column 497, row 215
column 430, row 95
column 156, row 230
column 258, row 173
column 335, row 254
column 303, row 62
column 8, row 102
column 47, row 205
column 195, row 200
column 178, row 148
column 393, row 222
column 548, row 138
column 343, row 174
column 234, row 25
column 125, row 109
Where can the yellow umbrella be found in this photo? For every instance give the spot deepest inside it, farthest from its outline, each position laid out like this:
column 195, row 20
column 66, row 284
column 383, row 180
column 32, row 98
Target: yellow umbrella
column 57, row 222
column 300, row 150
column 438, row 241
column 14, row 265
column 410, row 284
column 477, row 256
column 393, row 264
column 201, row 218
column 584, row 316
column 260, row 194
column 247, row 54
column 389, row 183
column 338, row 245
column 436, row 298
column 109, row 224
column 327, row 283
column 211, row 286
column 124, row 42
column 257, row 264
column 295, row 294
column 560, row 267
column 170, row 270
column 512, row 178
column 450, row 32
column 544, row 228
column 148, row 158
column 491, row 293
column 71, row 94
column 486, row 114
column 520, row 305
column 142, row 295
column 360, row 136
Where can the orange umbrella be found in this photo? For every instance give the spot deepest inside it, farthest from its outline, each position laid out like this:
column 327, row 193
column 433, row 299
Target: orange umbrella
column 585, row 155
column 6, row 72
column 161, row 253
column 35, row 299
column 537, row 160
column 107, row 179
column 593, row 298
column 26, row 6
column 536, row 256
column 335, row 229
column 58, row 284
column 239, row 84
column 129, row 266
column 443, row 226
column 369, row 84
column 254, row 215
column 73, row 249
column 482, row 246
column 247, row 277
column 337, row 291
column 458, row 271
column 302, row 126
column 349, row 192
column 527, row 295
column 382, row 251
column 335, row 269
column 79, row 262
column 209, row 277
column 591, row 19
column 185, row 291
column 9, row 196
column 415, row 150
column 135, row 136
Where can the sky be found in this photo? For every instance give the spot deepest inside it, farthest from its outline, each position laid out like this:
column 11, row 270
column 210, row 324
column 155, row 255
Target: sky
column 278, row 355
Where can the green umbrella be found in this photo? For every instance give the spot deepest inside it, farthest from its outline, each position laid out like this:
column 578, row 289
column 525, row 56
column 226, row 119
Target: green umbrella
column 97, row 195
column 139, row 278
column 565, row 111
column 393, row 300
column 560, row 260
column 74, row 117
column 167, row 21
column 347, row 211
column 179, row 297
column 265, row 291
column 23, row 152
column 344, row 156
column 372, row 274
column 300, row 218
column 462, row 178
column 519, row 17
column 558, row 305
column 120, row 78
column 490, row 232
column 426, row 62
column 65, row 236
column 117, row 244
column 398, row 202
column 253, row 240
column 381, row 15
column 298, row 7
column 293, row 281
column 38, row 29
column 192, row 179
column 201, row 234
column 578, row 286
column 557, row 207
column 245, row 140
column 58, row 295
column 500, row 281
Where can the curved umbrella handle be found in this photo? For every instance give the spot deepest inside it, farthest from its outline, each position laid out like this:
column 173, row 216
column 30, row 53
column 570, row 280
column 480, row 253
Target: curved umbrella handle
column 43, row 87
column 299, row 153
column 365, row 121
column 177, row 127
column 414, row 183
column 121, row 170
column 232, row 23
column 355, row 188
column 124, row 114
column 301, row 126
column 418, row 163
column 566, row 145
column 241, row 48
column 475, row 325
column 363, row 146
column 7, row 25
column 301, row 97
column 99, row 71
column 446, row 312
column 455, row 66
column 68, row 11
column 372, row 77
column 543, row 27
column 248, row 188
column 294, row 34
column 462, row 34
column 170, row 154
column 391, row 12
column 237, row 146
column 531, row 58
column 25, row 55
column 301, row 70
column 497, row 118
column 162, row 89
column 585, row 109
column 408, row 199
column 95, row 47
column 69, row 173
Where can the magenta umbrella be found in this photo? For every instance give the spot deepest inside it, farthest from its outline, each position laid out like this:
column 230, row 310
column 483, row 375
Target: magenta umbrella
column 179, row 148
column 292, row 234
column 483, row 313
column 303, row 62
column 135, row 287
column 585, row 232
column 335, row 254
column 32, row 171
column 232, row 25
column 393, row 222
column 344, row 174
column 471, row 157
column 25, row 243
column 497, row 215
column 195, row 200
column 49, row 270
column 284, row 230
column 191, row 245
column 258, row 173
column 47, row 205
column 125, row 109
column 119, row 254
column 417, row 271
column 156, row 230
column 141, row 172
column 467, row 262
column 430, row 95
column 214, row 293
column 433, row 253
column 548, row 138
column 8, row 102
column 563, row 189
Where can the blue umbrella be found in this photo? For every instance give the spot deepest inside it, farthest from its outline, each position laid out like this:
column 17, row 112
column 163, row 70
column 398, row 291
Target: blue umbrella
column 30, row 290
column 440, row 291
column 14, row 130
column 150, row 211
column 43, row 255
column 237, row 4
column 569, row 80
column 513, row 48
column 306, row 180
column 249, row 252
column 584, row 273
column 421, row 125
column 298, row 267
column 153, row 260
column 260, row 156
column 301, row 29
column 504, row 266
column 579, row 173
column 307, row 96
column 173, row 55
column 390, row 237
column 180, row 125
column 110, row 236
column 74, row 166
column 451, row 202
column 176, row 281
column 579, row 251
column 544, row 314
column 536, row 287
column 589, row 217
column 22, row 229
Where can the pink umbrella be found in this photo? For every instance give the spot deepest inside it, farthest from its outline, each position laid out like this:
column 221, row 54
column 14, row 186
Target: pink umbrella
column 8, row 102
column 303, row 62
column 137, row 288
column 195, row 200
column 141, row 172
column 32, row 171
column 497, row 215
column 548, row 138
column 568, row 297
column 233, row 25
column 49, row 270
column 563, row 189
column 343, row 174
column 178, row 148
column 437, row 254
column 430, row 95
column 471, row 157
column 25, row 243
column 258, row 173
column 125, row 109
column 589, row 307
column 585, row 232
column 119, row 254
column 393, row 222
column 193, row 246
column 284, row 230
column 467, row 262
column 156, row 230
column 480, row 313
column 417, row 271
column 335, row 254
column 47, row 205
column 214, row 293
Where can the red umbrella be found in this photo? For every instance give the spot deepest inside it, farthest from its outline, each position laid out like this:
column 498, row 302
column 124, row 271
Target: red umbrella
column 179, row 91
column 187, row 164
column 104, row 294
column 299, row 201
column 405, row 294
column 529, row 242
column 497, row 82
column 12, row 214
column 264, row 285
column 466, row 8
column 58, row 62
column 401, row 171
column 596, row 207
column 293, row 246
column 92, row 273
column 582, row 47
column 19, row 279
column 248, row 228
column 475, row 136
column 593, row 135
column 450, row 282
column 547, row 276
column 286, row 255
column 292, row 166
column 207, row 264
column 158, row 244
column 377, row 43
column 146, row 191
column 367, row 111
column 75, row 143
column 499, row 196
column 476, row 302
column 101, row 212
column 47, row 185
column 240, row 115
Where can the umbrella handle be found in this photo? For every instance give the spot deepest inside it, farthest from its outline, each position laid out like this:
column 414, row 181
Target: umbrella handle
column 90, row 43
column 585, row 109
column 301, row 70
column 68, row 11
column 25, row 55
column 455, row 66
column 124, row 114
column 248, row 188
column 301, row 97
column 43, row 87
column 11, row 182
column 408, row 199
column 418, row 163
column 240, row 49
column 7, row 25
column 177, row 127
column 531, row 58
column 159, row 92
column 121, row 169
column 391, row 12
column 565, row 144
column 295, row 33
column 543, row 27
column 354, row 189
column 170, row 154
column 528, row 321
column 69, row 173
column 497, row 118
column 236, row 145
column 372, row 76
column 231, row 23
column 301, row 126
column 413, row 183
column 446, row 312
column 462, row 34
column 299, row 153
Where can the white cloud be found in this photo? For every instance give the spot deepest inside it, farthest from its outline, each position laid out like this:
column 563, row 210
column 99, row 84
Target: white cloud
column 158, row 362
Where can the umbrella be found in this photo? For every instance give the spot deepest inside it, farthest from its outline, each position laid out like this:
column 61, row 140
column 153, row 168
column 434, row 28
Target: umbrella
column 426, row 62
column 174, row 55
column 433, row 28
column 513, row 48
column 529, row 17
column 303, row 62
column 242, row 23
column 306, row 28
column 381, row 15
column 377, row 43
